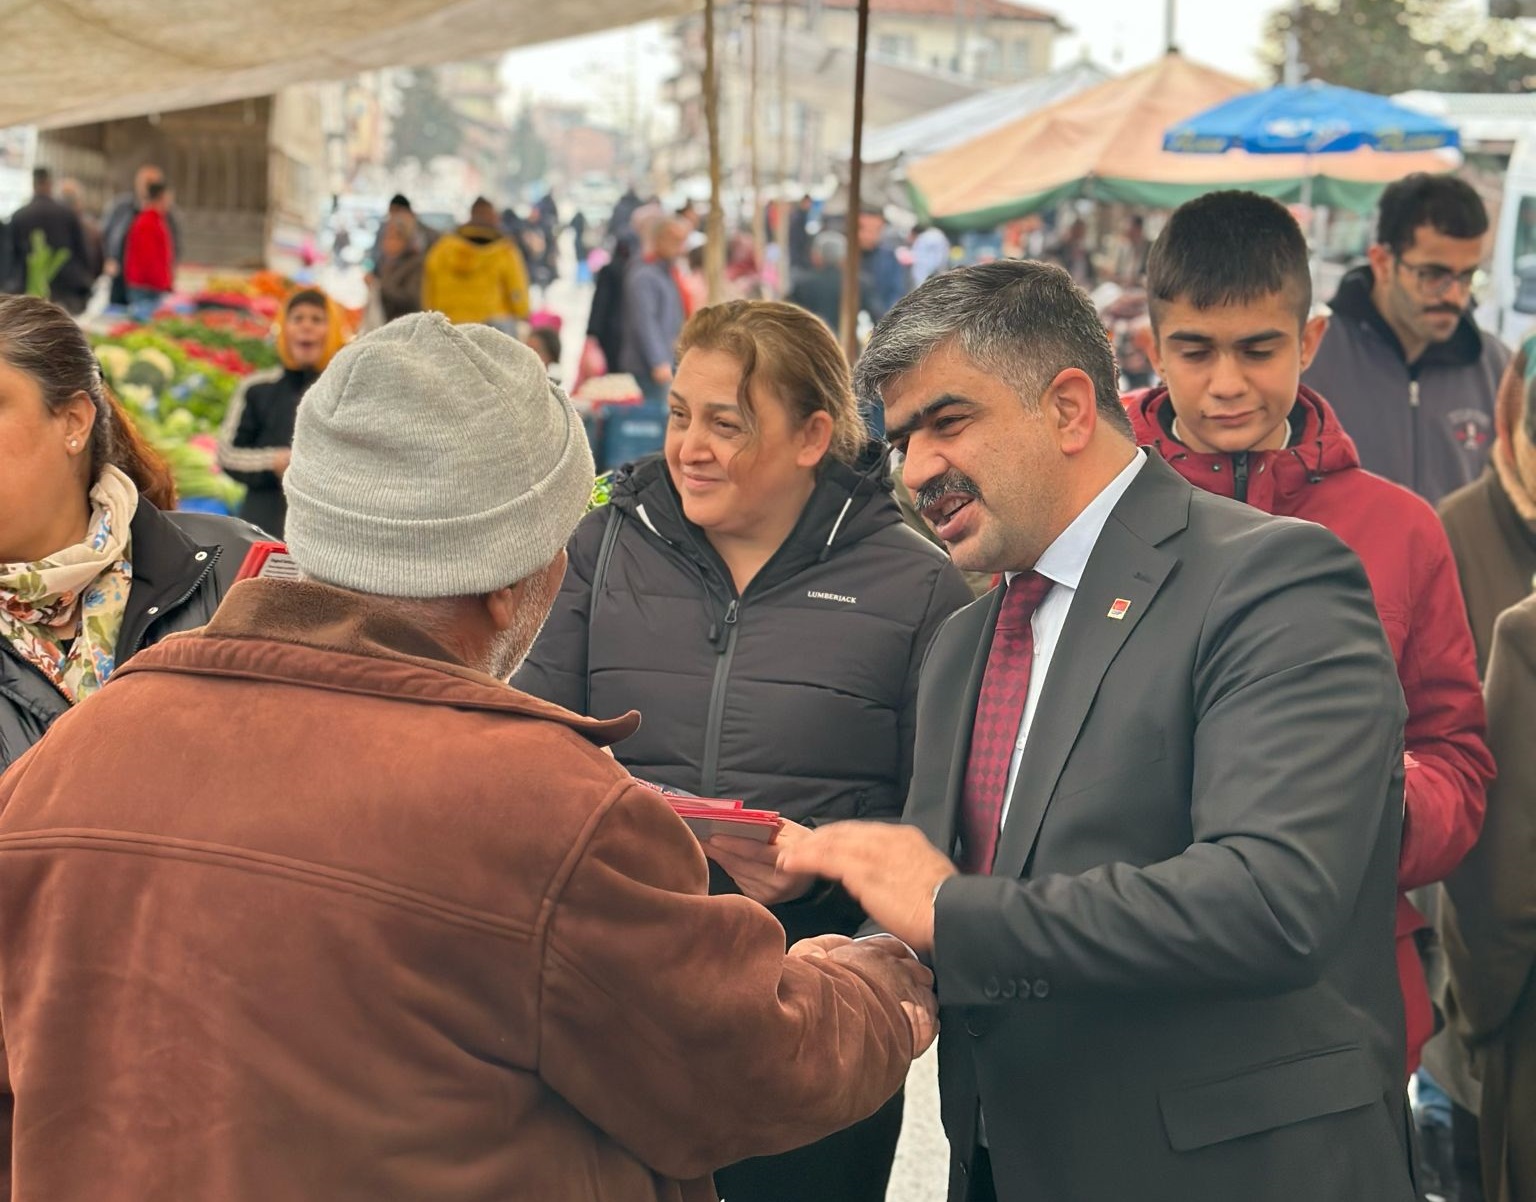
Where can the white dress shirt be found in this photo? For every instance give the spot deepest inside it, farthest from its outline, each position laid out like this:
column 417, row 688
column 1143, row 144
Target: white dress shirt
column 1062, row 564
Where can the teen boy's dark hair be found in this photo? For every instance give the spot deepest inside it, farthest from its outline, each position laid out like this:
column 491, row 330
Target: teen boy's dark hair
column 1229, row 248
column 1442, row 202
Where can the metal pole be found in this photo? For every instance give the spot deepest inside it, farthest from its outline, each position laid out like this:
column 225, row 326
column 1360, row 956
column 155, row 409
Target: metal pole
column 781, row 234
column 1170, row 20
column 759, row 244
column 851, row 263
column 714, row 248
column 1292, row 75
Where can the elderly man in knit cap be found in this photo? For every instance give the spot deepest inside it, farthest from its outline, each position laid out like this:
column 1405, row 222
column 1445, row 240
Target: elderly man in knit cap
column 311, row 904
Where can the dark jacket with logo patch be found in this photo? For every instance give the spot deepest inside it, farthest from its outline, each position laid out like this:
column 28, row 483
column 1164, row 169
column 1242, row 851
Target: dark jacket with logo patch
column 1427, row 425
column 795, row 696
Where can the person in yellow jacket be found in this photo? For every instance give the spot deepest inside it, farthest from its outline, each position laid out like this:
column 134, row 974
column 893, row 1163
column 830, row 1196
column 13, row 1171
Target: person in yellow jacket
column 476, row 273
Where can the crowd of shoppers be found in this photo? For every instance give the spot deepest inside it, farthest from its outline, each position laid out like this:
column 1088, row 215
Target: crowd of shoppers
column 1210, row 822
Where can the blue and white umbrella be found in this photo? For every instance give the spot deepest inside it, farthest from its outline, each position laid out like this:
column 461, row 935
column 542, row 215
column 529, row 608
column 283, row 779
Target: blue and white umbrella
column 1309, row 118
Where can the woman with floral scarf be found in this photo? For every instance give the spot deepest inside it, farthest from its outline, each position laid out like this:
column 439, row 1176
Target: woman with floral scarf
column 91, row 566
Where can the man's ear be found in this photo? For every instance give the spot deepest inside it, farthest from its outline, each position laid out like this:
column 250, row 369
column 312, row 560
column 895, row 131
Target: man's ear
column 501, row 607
column 1155, row 353
column 1069, row 405
column 1311, row 338
column 1381, row 262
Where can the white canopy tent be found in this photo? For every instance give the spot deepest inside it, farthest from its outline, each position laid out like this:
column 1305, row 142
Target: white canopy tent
column 940, row 128
column 95, row 60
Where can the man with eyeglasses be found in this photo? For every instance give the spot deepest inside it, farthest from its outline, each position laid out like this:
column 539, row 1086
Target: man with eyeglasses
column 1411, row 376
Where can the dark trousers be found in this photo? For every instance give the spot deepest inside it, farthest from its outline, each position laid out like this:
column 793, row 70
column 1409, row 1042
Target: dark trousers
column 982, row 1187
column 1466, row 1154
column 852, row 1166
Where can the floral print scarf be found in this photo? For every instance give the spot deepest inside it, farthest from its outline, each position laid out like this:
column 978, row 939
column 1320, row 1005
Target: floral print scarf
column 64, row 614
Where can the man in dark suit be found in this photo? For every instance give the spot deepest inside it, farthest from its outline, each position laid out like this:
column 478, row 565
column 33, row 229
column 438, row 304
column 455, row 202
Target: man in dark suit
column 1155, row 811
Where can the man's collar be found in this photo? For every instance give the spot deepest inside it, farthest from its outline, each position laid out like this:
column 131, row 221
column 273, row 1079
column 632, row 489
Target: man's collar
column 314, row 636
column 1065, row 559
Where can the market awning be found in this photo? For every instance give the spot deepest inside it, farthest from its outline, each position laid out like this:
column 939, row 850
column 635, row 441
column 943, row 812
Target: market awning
column 95, row 60
column 941, row 128
column 1107, row 143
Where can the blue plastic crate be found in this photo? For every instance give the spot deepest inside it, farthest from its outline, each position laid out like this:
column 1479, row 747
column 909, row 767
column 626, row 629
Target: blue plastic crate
column 631, row 433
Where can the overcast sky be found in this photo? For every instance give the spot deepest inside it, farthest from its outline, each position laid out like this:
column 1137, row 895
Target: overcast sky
column 1119, row 34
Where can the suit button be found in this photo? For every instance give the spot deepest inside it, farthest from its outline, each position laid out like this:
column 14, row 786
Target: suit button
column 1010, row 989
column 1042, row 988
column 992, row 989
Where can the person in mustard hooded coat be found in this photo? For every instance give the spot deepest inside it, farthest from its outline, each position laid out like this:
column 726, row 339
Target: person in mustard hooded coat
column 476, row 274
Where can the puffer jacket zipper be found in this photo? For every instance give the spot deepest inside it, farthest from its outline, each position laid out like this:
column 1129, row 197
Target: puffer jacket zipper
column 165, row 611
column 722, row 634
column 1240, row 477
column 708, row 774
column 1415, row 415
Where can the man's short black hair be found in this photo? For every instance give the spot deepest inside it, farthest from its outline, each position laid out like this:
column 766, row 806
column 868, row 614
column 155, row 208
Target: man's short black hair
column 1023, row 321
column 1229, row 248
column 400, row 201
column 1444, row 203
column 41, row 177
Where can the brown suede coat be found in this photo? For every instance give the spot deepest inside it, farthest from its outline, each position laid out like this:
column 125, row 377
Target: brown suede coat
column 299, row 908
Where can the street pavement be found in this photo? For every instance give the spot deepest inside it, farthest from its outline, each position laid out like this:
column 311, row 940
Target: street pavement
column 922, row 1156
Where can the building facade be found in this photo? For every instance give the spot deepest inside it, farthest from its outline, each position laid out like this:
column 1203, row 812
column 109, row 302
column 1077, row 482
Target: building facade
column 923, row 54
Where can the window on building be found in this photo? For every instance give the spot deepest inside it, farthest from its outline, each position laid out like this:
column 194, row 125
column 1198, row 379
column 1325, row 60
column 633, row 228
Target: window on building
column 895, row 47
column 987, row 55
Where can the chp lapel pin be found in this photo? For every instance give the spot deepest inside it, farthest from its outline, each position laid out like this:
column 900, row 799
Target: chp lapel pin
column 1119, row 609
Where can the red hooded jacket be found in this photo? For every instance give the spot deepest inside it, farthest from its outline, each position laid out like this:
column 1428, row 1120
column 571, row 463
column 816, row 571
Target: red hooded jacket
column 149, row 255
column 1399, row 539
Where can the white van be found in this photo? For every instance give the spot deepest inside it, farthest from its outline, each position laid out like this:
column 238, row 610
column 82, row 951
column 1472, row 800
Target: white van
column 1510, row 307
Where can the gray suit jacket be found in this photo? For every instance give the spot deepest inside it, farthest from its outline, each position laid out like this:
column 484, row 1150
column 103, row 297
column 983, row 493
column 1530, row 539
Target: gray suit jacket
column 1179, row 982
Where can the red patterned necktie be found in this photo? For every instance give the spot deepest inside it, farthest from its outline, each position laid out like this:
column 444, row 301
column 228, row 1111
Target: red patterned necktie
column 999, row 710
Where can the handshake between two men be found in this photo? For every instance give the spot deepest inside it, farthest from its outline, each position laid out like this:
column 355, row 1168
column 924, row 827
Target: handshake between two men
column 893, row 872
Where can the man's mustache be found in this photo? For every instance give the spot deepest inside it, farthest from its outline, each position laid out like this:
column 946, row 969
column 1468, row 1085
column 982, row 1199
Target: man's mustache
column 937, row 489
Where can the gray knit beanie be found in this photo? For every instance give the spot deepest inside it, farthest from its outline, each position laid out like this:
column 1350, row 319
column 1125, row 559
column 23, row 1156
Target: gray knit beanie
column 434, row 460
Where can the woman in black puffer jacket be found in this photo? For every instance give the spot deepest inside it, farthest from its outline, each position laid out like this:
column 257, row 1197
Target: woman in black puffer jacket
column 755, row 593
column 91, row 567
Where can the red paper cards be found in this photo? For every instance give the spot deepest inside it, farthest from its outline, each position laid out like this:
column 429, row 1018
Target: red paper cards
column 708, row 816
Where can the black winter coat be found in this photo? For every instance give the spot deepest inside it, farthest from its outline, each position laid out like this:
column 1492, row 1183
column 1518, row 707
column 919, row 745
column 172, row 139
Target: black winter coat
column 62, row 230
column 259, row 423
column 797, row 696
column 183, row 564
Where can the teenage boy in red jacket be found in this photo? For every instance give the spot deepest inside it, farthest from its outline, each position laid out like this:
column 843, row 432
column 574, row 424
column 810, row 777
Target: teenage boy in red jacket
column 149, row 255
column 1230, row 296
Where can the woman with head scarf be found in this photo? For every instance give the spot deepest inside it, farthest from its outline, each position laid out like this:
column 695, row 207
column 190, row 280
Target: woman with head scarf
column 93, row 566
column 256, row 438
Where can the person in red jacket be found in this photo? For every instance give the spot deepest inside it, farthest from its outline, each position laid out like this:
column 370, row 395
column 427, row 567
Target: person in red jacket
column 1230, row 296
column 149, row 255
